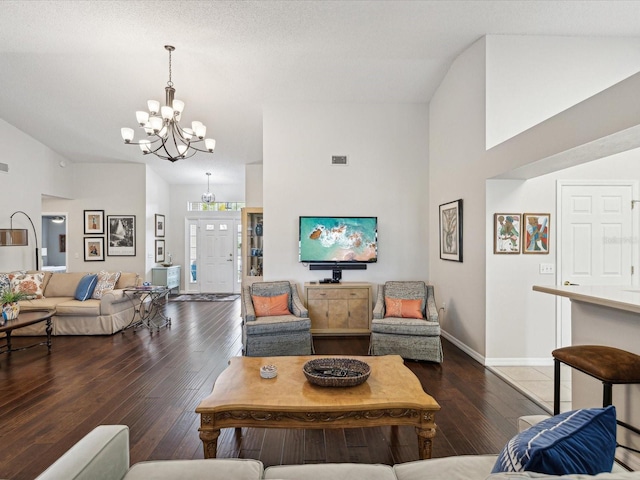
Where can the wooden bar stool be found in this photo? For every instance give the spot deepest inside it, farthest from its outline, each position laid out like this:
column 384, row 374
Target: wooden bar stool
column 607, row 364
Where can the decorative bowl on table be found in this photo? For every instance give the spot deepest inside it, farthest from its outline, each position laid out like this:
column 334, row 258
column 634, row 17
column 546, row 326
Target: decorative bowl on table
column 336, row 372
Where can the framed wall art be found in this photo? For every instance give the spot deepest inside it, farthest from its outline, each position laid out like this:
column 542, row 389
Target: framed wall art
column 93, row 249
column 451, row 231
column 121, row 235
column 94, row 222
column 159, row 225
column 159, row 251
column 506, row 232
column 535, row 232
column 62, row 243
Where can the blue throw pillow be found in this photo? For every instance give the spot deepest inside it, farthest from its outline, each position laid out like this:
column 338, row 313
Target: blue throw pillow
column 581, row 441
column 85, row 288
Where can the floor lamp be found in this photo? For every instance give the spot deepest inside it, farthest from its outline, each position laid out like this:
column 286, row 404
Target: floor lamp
column 18, row 237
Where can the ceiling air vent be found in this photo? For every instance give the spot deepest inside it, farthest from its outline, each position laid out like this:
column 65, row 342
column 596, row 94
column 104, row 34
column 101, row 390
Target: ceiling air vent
column 4, row 168
column 339, row 160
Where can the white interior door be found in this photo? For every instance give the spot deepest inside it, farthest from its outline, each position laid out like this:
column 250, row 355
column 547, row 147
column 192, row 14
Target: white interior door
column 216, row 271
column 596, row 232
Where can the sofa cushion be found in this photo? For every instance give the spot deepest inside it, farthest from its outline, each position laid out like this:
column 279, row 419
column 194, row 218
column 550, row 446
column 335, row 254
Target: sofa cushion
column 85, row 287
column 271, row 306
column 29, row 283
column 127, row 279
column 462, row 467
column 402, row 307
column 330, row 471
column 5, row 283
column 106, row 282
column 210, row 469
column 278, row 324
column 90, row 307
column 63, row 284
column 579, row 441
column 405, row 326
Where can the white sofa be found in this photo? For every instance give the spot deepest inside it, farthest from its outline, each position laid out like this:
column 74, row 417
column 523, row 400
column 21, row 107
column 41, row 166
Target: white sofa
column 105, row 316
column 103, row 454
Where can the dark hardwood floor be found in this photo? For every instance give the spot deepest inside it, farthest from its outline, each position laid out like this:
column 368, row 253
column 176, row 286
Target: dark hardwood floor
column 153, row 383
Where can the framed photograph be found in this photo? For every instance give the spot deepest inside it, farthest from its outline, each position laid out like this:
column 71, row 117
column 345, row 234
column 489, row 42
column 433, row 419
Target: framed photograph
column 535, row 232
column 94, row 222
column 506, row 232
column 159, row 225
column 93, row 249
column 159, row 251
column 121, row 235
column 62, row 243
column 451, row 231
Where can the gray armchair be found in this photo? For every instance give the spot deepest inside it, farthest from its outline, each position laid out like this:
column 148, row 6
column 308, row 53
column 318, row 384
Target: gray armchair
column 411, row 338
column 275, row 335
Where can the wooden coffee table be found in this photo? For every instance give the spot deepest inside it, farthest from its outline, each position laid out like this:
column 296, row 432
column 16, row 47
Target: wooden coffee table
column 26, row 318
column 392, row 395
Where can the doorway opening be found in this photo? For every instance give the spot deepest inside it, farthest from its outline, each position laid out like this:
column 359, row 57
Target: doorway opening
column 54, row 242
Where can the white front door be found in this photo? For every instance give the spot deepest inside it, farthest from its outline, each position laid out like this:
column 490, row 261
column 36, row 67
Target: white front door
column 217, row 238
column 596, row 235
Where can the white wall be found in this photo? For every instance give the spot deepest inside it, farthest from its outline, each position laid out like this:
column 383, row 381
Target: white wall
column 492, row 326
column 253, row 189
column 34, row 170
column 521, row 324
column 157, row 202
column 531, row 78
column 456, row 170
column 386, row 177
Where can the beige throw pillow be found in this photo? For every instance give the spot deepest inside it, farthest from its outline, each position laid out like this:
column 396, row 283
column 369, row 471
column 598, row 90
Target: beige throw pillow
column 106, row 282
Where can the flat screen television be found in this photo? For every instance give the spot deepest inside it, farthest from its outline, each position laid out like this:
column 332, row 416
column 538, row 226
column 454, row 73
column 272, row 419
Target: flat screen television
column 338, row 239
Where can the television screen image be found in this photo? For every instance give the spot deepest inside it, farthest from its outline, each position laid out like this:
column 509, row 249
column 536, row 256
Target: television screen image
column 339, row 239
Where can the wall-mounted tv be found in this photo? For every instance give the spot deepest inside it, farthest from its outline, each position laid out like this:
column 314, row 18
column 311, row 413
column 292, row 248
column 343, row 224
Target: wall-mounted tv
column 338, row 239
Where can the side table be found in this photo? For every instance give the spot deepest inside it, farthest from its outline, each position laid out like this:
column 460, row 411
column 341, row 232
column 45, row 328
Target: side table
column 149, row 311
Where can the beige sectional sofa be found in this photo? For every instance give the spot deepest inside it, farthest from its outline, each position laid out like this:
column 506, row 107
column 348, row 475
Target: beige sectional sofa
column 104, row 454
column 104, row 316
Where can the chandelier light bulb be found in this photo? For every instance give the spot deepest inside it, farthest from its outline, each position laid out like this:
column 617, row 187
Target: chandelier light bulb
column 167, row 112
column 178, row 106
column 156, row 124
column 127, row 134
column 145, row 146
column 166, row 137
column 142, row 117
column 154, row 106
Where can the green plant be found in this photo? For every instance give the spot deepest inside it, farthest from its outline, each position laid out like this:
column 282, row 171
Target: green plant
column 10, row 297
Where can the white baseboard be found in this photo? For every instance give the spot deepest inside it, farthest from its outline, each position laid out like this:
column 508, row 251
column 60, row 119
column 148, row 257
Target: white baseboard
column 519, row 362
column 465, row 348
column 498, row 362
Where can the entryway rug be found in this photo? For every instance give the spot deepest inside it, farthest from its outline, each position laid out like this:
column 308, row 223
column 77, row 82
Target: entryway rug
column 205, row 297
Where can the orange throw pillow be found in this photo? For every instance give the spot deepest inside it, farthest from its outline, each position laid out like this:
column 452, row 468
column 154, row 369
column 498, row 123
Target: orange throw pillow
column 271, row 306
column 399, row 307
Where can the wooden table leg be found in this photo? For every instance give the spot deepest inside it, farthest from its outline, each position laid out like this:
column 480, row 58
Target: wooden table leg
column 425, row 441
column 210, row 442
column 49, row 329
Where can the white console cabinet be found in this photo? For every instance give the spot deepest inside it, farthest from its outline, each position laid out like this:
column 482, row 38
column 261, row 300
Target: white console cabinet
column 166, row 276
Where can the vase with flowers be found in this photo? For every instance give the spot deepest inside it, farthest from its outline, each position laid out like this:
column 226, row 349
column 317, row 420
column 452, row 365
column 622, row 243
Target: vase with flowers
column 10, row 306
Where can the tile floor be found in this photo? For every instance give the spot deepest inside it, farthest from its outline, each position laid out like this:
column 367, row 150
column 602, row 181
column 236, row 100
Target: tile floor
column 537, row 384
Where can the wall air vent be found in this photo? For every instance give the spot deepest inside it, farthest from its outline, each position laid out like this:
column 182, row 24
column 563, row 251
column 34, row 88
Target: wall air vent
column 4, row 168
column 339, row 160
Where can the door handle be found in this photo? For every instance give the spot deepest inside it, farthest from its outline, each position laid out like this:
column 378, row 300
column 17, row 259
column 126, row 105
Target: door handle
column 567, row 283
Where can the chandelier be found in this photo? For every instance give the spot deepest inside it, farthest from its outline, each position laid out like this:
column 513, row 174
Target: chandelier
column 208, row 197
column 166, row 138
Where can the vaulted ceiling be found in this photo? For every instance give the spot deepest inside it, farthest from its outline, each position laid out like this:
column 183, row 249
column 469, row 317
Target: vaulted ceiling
column 74, row 72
